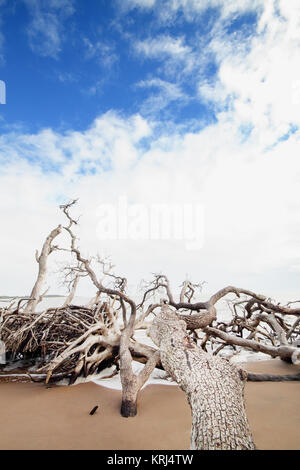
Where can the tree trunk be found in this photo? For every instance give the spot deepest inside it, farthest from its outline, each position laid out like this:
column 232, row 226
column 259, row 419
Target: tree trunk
column 214, row 387
column 128, row 378
column 42, row 262
column 132, row 383
column 130, row 392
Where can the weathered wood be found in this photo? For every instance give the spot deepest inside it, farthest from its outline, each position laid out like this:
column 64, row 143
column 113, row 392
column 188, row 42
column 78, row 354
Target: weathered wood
column 214, row 387
column 42, row 259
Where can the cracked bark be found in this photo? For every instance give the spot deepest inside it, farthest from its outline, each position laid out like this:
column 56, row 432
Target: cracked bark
column 214, row 387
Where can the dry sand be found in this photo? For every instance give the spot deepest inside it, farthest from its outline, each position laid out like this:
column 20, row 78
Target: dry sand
column 36, row 417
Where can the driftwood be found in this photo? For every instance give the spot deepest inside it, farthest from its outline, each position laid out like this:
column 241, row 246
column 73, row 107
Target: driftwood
column 214, row 387
column 42, row 259
column 189, row 340
column 70, row 339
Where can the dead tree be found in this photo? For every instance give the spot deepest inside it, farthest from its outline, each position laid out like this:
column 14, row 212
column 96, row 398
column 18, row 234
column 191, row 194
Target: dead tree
column 131, row 383
column 190, row 339
column 36, row 293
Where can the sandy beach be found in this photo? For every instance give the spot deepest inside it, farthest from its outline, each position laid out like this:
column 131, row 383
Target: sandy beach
column 36, row 417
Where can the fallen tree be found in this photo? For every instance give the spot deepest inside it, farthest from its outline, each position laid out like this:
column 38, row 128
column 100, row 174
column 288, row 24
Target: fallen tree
column 189, row 340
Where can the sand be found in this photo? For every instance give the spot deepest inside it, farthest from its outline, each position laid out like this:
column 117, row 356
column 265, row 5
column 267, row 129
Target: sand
column 36, row 417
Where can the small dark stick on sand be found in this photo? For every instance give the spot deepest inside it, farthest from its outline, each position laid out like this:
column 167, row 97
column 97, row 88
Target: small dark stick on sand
column 94, row 410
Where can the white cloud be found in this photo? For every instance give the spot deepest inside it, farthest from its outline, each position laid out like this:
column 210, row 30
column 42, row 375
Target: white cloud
column 143, row 3
column 260, row 82
column 78, row 152
column 46, row 30
column 172, row 52
column 165, row 94
column 104, row 53
column 167, row 10
column 162, row 46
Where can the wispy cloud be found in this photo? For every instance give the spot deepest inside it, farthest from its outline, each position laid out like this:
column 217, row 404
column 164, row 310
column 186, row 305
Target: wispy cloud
column 173, row 53
column 168, row 10
column 2, row 39
column 162, row 46
column 162, row 93
column 192, row 61
column 141, row 4
column 46, row 31
column 66, row 77
column 104, row 53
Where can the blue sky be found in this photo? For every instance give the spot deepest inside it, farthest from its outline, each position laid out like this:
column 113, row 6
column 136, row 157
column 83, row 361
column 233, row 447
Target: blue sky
column 66, row 62
column 162, row 102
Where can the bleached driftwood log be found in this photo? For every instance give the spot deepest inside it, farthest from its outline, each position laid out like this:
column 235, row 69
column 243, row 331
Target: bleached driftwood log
column 214, row 387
